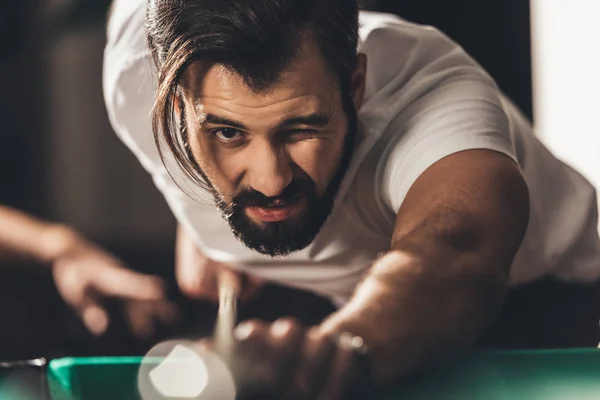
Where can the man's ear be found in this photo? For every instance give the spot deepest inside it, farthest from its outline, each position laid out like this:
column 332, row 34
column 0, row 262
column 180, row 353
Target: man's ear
column 358, row 81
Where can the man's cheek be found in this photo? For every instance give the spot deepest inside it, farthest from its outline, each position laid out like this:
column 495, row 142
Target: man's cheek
column 221, row 174
column 323, row 176
column 315, row 163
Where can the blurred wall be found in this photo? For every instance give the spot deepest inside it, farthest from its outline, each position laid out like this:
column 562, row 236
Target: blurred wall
column 495, row 33
column 566, row 64
column 21, row 107
column 93, row 182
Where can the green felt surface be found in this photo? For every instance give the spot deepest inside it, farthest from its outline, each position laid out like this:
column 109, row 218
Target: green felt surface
column 526, row 375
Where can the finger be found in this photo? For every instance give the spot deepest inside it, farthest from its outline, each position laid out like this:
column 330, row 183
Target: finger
column 68, row 282
column 250, row 338
column 143, row 317
column 285, row 339
column 125, row 283
column 166, row 312
column 341, row 371
column 140, row 319
column 315, row 360
column 94, row 317
column 192, row 271
column 205, row 344
column 251, row 362
column 198, row 281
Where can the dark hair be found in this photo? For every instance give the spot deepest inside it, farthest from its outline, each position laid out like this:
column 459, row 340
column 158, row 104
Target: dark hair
column 257, row 39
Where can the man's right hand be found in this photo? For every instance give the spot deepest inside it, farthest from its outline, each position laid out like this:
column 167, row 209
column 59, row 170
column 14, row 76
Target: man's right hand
column 85, row 275
column 198, row 276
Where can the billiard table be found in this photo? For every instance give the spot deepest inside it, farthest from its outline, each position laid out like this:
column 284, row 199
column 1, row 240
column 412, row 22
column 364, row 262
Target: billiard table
column 572, row 374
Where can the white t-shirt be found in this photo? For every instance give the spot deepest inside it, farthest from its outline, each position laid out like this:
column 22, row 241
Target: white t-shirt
column 425, row 99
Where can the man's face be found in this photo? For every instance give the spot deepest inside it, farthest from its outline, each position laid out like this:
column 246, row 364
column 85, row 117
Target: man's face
column 274, row 158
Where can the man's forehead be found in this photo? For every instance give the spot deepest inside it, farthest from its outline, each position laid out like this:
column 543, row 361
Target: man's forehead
column 305, row 77
column 225, row 93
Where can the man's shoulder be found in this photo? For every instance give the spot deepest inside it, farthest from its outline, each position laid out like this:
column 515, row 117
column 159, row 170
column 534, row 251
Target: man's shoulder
column 129, row 80
column 125, row 33
column 126, row 50
column 407, row 57
column 413, row 67
column 426, row 98
column 381, row 31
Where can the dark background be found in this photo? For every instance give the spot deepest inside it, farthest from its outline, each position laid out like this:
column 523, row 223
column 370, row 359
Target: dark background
column 59, row 159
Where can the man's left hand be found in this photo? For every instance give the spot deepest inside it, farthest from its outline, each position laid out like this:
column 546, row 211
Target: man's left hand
column 285, row 360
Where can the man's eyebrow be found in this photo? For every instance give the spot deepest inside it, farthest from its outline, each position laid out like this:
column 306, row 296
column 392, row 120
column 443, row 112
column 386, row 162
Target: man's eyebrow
column 315, row 119
column 216, row 120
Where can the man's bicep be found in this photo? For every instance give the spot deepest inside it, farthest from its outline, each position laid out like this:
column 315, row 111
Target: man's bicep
column 473, row 201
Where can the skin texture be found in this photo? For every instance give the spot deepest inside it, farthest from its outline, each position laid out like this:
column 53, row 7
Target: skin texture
column 445, row 275
column 265, row 155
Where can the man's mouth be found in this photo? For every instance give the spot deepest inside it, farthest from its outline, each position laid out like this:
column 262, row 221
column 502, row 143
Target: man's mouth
column 278, row 210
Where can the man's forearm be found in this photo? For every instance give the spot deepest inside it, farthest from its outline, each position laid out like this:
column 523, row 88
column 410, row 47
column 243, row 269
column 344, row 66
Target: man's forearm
column 26, row 239
column 412, row 309
column 445, row 277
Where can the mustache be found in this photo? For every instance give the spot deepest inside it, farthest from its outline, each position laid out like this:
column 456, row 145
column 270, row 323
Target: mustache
column 293, row 191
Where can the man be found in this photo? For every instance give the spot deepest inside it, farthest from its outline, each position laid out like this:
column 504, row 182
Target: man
column 84, row 274
column 394, row 179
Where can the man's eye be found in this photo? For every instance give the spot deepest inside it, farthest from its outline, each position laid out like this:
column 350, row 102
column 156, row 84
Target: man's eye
column 305, row 133
column 226, row 134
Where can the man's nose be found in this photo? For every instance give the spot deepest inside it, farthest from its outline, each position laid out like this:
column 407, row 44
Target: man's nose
column 270, row 169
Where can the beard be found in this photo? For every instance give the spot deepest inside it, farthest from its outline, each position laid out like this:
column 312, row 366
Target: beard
column 297, row 232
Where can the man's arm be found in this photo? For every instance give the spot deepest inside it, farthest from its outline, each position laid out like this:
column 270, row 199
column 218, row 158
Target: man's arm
column 444, row 279
column 84, row 274
column 24, row 238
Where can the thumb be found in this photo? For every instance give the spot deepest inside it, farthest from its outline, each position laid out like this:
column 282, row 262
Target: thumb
column 95, row 318
column 196, row 278
column 125, row 283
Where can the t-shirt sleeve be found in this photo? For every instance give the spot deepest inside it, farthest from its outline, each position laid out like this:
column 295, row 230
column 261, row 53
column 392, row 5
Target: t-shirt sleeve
column 129, row 84
column 459, row 114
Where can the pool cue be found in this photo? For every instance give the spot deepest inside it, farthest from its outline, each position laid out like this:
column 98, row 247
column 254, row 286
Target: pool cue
column 226, row 318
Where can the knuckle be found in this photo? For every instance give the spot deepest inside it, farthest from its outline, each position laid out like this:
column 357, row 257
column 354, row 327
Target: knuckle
column 257, row 324
column 286, row 328
column 189, row 289
column 249, row 330
column 69, row 275
column 196, row 286
column 319, row 340
column 71, row 283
